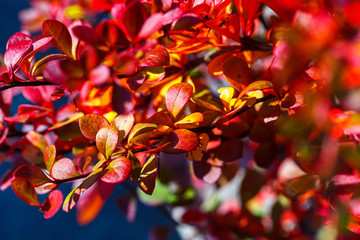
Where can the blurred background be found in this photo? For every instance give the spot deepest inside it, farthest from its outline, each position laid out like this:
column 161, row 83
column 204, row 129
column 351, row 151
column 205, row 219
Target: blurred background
column 21, row 221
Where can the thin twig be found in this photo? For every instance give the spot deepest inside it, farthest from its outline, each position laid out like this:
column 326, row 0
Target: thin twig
column 25, row 84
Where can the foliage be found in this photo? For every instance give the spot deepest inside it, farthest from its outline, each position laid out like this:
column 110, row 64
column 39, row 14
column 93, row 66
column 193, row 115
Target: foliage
column 242, row 115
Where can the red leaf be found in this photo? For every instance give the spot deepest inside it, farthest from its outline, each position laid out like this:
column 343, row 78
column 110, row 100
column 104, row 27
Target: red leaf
column 186, row 21
column 351, row 12
column 25, row 191
column 111, row 34
column 161, row 118
column 52, row 203
column 33, row 175
column 130, row 19
column 87, row 34
column 117, row 171
column 124, row 123
column 17, row 46
column 151, row 25
column 228, row 25
column 64, row 169
column 177, row 96
column 147, row 178
column 158, row 56
column 61, row 36
column 83, row 162
column 107, row 140
column 90, row 124
column 181, row 141
column 57, row 95
column 194, row 217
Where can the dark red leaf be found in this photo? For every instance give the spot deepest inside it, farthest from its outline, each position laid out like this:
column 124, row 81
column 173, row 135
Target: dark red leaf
column 33, row 175
column 25, row 191
column 61, row 36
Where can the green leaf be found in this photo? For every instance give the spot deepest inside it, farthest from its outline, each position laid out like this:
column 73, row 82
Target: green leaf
column 117, row 171
column 177, row 96
column 61, row 36
column 25, row 191
column 90, row 124
column 49, row 157
column 107, row 140
column 147, row 178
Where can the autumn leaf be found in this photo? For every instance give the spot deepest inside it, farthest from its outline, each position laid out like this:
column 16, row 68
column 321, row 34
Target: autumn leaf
column 107, row 139
column 177, row 96
column 117, row 171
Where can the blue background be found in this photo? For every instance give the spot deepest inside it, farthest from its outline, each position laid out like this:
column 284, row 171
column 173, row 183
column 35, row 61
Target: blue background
column 21, row 221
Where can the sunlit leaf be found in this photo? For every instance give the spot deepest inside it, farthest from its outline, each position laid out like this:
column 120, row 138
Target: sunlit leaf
column 181, row 141
column 64, row 169
column 107, row 139
column 158, row 56
column 17, row 46
column 117, row 171
column 161, row 118
column 177, row 96
column 141, row 128
column 124, row 123
column 90, row 124
column 190, row 121
column 147, row 178
column 37, row 140
column 257, row 85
